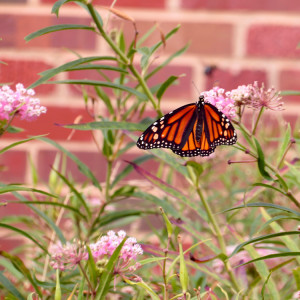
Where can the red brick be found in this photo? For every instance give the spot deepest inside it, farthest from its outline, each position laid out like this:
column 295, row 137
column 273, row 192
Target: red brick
column 204, row 38
column 10, row 244
column 26, row 72
column 7, row 30
column 289, row 80
column 46, row 123
column 125, row 3
column 13, row 166
column 229, row 79
column 266, row 5
column 74, row 39
column 95, row 161
column 13, row 29
column 273, row 41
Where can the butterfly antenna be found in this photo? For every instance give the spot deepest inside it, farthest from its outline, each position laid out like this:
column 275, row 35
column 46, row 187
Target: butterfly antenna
column 195, row 87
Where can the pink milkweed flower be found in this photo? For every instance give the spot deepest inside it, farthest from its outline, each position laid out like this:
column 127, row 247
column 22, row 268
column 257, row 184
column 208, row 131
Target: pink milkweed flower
column 106, row 246
column 67, row 256
column 257, row 97
column 20, row 102
column 221, row 101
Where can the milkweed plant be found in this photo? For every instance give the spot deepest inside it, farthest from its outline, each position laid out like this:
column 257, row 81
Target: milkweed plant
column 218, row 227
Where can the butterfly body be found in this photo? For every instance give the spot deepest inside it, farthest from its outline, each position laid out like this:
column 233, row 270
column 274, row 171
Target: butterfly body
column 190, row 130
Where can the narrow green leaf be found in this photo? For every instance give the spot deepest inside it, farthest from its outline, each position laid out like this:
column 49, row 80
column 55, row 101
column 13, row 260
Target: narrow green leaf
column 7, row 284
column 269, row 186
column 262, row 238
column 151, row 260
column 274, row 219
column 16, row 188
column 57, row 295
column 275, row 255
column 102, row 83
column 285, row 143
column 18, row 263
column 107, row 275
column 167, row 61
column 48, row 74
column 55, row 28
column 266, row 205
column 30, row 296
column 92, row 267
column 107, row 125
column 127, row 170
column 261, row 161
column 184, row 278
column 20, row 142
column 83, row 168
column 74, row 190
column 25, row 234
column 43, row 216
column 167, row 222
column 144, row 286
column 105, row 98
column 96, row 67
column 296, row 273
column 57, row 5
column 68, row 207
column 265, row 285
column 164, row 86
column 14, row 129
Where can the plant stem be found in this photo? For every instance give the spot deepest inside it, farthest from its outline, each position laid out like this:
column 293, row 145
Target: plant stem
column 257, row 120
column 87, row 279
column 107, row 183
column 219, row 237
column 123, row 58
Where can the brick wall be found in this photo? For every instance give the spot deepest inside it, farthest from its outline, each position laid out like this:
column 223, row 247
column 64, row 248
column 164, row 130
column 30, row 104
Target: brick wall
column 246, row 40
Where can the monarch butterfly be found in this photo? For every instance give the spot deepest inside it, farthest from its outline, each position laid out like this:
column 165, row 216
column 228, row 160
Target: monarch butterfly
column 190, row 130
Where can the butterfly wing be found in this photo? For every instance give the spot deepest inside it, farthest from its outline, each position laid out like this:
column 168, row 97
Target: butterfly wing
column 170, row 131
column 216, row 126
column 211, row 129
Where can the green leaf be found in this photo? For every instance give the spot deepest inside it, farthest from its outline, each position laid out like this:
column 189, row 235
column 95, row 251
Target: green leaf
column 285, row 143
column 16, row 188
column 102, row 83
column 124, row 191
column 261, row 161
column 20, row 142
column 184, row 278
column 25, row 234
column 275, row 255
column 144, row 286
column 55, row 28
column 18, row 263
column 48, row 74
column 164, row 86
column 267, row 205
column 48, row 220
column 296, row 273
column 14, row 129
column 92, row 267
column 167, row 61
column 7, row 284
column 129, row 168
column 274, row 219
column 96, row 67
column 262, row 238
column 107, row 275
column 71, row 208
column 57, row 5
column 167, row 222
column 76, row 193
column 83, row 168
column 107, row 125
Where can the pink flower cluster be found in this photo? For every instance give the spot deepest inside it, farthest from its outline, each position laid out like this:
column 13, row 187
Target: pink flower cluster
column 69, row 255
column 221, row 101
column 257, row 97
column 20, row 102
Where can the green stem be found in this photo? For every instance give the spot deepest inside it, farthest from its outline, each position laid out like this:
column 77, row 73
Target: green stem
column 219, row 237
column 87, row 279
column 107, row 182
column 123, row 58
column 257, row 120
